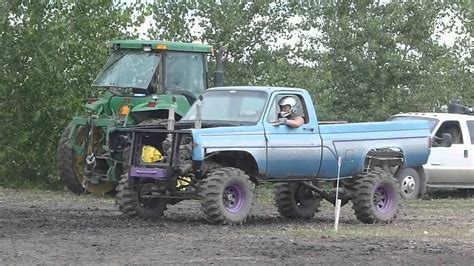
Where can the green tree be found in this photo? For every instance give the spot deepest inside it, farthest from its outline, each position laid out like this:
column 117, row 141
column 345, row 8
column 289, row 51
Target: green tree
column 50, row 54
column 380, row 59
column 250, row 29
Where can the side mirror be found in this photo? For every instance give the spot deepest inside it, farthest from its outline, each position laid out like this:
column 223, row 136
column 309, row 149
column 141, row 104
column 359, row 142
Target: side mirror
column 446, row 140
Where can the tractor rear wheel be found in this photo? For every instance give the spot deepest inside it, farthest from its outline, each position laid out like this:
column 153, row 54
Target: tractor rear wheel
column 226, row 196
column 376, row 197
column 295, row 201
column 137, row 199
column 66, row 163
column 71, row 165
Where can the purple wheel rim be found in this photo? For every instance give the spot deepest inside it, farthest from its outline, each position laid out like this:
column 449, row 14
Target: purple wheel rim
column 383, row 198
column 233, row 198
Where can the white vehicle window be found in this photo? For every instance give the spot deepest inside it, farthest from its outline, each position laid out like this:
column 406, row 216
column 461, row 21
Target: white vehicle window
column 470, row 127
column 453, row 128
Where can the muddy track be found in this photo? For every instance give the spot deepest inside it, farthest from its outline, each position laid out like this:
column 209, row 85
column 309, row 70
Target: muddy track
column 62, row 228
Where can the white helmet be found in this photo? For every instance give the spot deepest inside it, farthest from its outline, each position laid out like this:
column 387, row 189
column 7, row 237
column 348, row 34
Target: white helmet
column 290, row 101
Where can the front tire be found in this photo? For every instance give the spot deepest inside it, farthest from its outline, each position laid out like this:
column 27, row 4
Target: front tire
column 410, row 183
column 376, row 197
column 295, row 201
column 226, row 196
column 132, row 199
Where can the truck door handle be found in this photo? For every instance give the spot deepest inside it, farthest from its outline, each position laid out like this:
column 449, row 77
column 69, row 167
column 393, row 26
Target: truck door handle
column 466, row 154
column 308, row 129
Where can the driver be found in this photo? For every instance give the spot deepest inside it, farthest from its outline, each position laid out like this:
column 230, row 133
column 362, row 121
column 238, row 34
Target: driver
column 288, row 115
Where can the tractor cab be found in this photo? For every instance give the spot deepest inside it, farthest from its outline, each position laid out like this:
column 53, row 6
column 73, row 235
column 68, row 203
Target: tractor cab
column 142, row 68
column 138, row 85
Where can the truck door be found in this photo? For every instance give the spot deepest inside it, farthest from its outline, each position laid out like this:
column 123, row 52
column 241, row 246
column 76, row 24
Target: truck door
column 451, row 166
column 292, row 152
column 469, row 153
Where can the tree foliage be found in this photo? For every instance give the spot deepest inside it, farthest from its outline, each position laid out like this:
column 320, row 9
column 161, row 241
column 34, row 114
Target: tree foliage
column 50, row 54
column 361, row 61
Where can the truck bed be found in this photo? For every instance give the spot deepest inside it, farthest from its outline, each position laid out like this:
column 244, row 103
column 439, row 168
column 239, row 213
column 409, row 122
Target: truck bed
column 353, row 141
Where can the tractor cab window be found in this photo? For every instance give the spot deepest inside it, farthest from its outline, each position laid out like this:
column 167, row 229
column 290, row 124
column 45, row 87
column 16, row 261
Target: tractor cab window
column 128, row 70
column 185, row 73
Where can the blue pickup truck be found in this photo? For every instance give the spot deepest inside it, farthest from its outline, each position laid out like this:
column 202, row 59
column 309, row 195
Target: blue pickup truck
column 230, row 141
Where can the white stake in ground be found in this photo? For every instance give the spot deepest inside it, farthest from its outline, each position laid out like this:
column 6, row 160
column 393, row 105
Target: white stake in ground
column 338, row 201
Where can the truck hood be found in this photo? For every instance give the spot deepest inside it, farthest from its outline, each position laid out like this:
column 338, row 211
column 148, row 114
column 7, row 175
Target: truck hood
column 228, row 138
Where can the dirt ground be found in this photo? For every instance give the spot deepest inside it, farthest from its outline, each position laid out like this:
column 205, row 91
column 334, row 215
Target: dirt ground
column 44, row 227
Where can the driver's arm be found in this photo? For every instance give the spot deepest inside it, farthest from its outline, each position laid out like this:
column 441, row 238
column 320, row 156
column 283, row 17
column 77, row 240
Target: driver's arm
column 296, row 122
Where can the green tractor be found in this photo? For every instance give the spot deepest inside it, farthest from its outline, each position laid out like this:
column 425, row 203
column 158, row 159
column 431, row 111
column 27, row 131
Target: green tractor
column 138, row 85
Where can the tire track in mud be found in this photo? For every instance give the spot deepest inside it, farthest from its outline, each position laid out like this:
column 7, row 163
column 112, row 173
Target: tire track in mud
column 62, row 228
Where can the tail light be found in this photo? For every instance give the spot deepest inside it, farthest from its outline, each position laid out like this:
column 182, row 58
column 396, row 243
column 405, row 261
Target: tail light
column 430, row 142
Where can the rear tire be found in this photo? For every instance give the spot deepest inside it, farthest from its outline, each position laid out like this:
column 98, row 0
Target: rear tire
column 295, row 201
column 226, row 196
column 410, row 183
column 66, row 163
column 376, row 197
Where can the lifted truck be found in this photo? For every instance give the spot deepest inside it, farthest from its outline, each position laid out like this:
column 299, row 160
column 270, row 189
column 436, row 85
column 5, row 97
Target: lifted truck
column 449, row 166
column 219, row 157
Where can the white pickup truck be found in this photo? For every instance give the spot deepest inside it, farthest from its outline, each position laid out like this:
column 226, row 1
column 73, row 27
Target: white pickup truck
column 450, row 167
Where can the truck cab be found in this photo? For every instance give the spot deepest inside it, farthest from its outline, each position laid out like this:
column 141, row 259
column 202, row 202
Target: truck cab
column 450, row 167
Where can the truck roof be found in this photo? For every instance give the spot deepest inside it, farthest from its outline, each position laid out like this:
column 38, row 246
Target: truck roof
column 440, row 116
column 161, row 45
column 269, row 89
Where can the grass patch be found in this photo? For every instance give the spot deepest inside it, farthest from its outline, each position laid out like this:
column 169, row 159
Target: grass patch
column 375, row 231
column 361, row 231
column 49, row 183
column 264, row 193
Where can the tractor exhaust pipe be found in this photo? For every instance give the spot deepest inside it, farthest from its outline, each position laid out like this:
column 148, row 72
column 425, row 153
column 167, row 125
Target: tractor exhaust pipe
column 219, row 74
column 198, row 121
column 171, row 112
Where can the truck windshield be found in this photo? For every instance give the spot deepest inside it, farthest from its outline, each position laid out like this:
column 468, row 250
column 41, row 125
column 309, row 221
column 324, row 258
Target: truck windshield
column 432, row 121
column 230, row 106
column 128, row 70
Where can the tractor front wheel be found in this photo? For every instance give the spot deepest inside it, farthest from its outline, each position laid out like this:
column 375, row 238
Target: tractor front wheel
column 226, row 196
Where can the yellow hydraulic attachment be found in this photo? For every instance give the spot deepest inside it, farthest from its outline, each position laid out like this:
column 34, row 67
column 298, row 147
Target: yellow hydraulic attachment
column 183, row 181
column 151, row 154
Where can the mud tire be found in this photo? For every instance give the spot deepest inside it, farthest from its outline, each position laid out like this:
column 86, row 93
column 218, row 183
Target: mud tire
column 130, row 203
column 294, row 201
column 376, row 197
column 226, row 196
